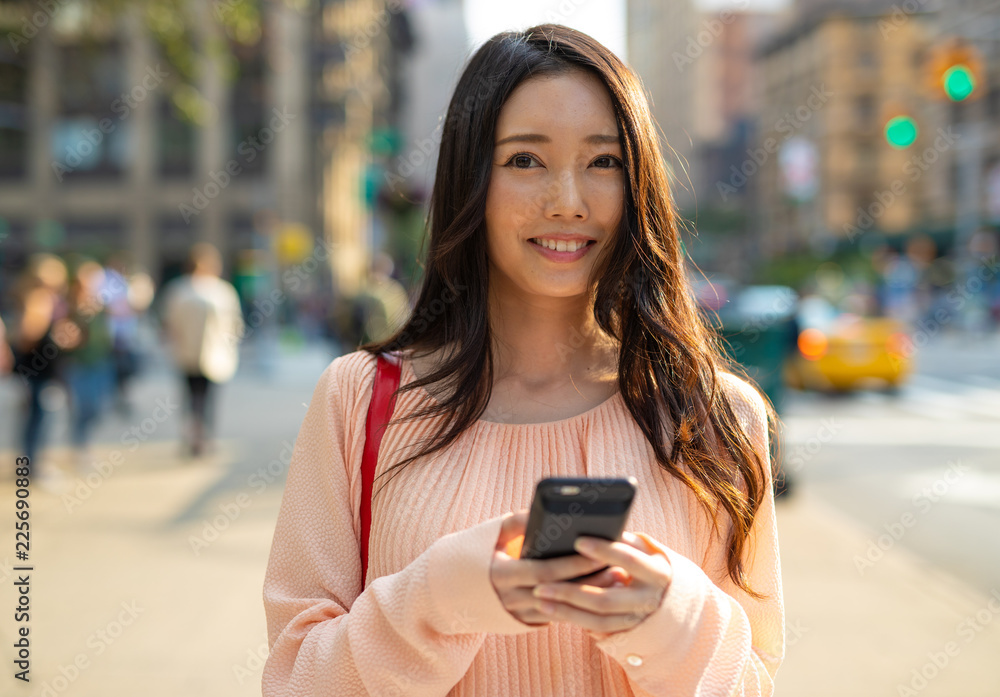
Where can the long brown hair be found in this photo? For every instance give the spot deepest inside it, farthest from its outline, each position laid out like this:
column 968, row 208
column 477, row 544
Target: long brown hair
column 668, row 359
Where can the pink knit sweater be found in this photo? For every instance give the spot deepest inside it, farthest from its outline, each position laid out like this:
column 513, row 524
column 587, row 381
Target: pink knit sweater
column 428, row 621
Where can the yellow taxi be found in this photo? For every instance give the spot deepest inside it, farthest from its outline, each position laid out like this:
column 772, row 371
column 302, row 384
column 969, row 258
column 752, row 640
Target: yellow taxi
column 845, row 351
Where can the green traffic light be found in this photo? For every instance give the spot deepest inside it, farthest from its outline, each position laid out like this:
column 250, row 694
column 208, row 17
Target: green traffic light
column 901, row 131
column 959, row 82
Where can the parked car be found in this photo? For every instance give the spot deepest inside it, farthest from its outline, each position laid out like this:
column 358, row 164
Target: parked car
column 845, row 351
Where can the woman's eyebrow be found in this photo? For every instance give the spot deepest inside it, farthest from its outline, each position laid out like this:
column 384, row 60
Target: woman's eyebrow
column 595, row 139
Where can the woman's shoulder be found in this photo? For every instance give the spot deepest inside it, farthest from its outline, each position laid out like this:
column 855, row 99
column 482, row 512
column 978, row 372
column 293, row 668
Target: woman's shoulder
column 343, row 383
column 350, row 371
column 745, row 399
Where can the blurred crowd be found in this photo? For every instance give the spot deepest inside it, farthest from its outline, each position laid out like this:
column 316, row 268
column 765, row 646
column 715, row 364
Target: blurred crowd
column 73, row 322
column 71, row 333
column 920, row 287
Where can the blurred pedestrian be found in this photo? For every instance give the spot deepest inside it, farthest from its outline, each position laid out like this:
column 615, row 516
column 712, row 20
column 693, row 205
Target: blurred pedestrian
column 204, row 325
column 6, row 354
column 40, row 303
column 127, row 294
column 85, row 336
column 376, row 311
column 979, row 284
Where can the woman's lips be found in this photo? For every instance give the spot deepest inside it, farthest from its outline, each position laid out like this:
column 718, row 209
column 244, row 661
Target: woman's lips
column 561, row 257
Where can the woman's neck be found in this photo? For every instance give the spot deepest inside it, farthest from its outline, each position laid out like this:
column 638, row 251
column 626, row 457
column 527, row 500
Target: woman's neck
column 541, row 342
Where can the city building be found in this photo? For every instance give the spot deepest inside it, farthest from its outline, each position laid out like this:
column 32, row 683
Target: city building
column 699, row 70
column 854, row 147
column 664, row 48
column 100, row 150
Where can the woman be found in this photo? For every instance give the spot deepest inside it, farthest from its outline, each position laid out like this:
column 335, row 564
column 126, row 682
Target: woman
column 36, row 343
column 520, row 363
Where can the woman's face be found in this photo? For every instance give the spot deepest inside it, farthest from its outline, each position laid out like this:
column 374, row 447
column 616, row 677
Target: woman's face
column 556, row 181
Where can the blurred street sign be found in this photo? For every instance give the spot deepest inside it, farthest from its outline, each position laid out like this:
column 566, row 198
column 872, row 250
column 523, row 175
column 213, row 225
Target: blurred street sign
column 798, row 161
column 293, row 243
column 993, row 194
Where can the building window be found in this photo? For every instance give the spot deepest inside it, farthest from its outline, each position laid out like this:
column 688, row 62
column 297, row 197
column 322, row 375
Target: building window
column 175, row 142
column 89, row 135
column 94, row 237
column 993, row 101
column 864, row 107
column 13, row 121
column 250, row 145
column 175, row 238
column 866, row 159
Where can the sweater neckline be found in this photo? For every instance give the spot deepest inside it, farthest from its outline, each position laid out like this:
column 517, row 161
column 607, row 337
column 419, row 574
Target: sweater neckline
column 582, row 416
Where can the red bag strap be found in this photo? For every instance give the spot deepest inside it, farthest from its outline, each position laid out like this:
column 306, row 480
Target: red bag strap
column 387, row 375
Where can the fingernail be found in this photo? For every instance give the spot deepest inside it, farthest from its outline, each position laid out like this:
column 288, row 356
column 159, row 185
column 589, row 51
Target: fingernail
column 583, row 545
column 543, row 592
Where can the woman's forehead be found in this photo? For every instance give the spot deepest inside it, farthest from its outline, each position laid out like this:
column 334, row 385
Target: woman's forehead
column 552, row 106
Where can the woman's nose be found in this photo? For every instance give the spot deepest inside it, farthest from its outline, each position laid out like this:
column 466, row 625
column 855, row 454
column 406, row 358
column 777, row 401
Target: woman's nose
column 565, row 197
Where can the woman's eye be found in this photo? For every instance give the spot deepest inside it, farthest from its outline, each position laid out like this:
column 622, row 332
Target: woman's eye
column 521, row 161
column 607, row 162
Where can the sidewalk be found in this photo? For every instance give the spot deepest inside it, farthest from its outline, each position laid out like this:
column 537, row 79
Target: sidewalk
column 858, row 634
column 154, row 587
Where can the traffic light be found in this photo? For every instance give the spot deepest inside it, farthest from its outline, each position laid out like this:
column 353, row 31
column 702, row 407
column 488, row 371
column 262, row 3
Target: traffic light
column 955, row 71
column 899, row 124
column 901, row 131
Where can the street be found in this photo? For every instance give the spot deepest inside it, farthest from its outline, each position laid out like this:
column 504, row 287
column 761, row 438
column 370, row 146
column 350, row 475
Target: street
column 147, row 573
column 909, row 486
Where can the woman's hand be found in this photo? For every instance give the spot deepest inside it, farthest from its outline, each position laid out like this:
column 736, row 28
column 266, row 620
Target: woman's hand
column 623, row 595
column 514, row 578
column 609, row 610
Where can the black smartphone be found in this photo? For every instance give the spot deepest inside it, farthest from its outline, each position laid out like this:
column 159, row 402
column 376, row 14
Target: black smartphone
column 567, row 507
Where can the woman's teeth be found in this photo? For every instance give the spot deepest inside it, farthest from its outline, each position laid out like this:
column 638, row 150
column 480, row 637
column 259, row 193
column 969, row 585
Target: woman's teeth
column 561, row 245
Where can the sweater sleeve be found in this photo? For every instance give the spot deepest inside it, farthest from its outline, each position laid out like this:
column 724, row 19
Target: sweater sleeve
column 414, row 632
column 708, row 637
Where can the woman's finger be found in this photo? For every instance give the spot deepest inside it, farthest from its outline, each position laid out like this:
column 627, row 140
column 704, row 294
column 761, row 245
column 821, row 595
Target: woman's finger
column 607, row 578
column 636, row 600
column 653, row 569
column 562, row 612
column 513, row 525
